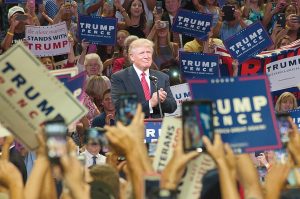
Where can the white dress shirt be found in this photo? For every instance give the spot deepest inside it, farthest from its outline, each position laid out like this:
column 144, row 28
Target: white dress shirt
column 139, row 73
column 101, row 159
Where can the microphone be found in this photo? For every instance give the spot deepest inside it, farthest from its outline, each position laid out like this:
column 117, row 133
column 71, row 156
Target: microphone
column 153, row 78
column 154, row 81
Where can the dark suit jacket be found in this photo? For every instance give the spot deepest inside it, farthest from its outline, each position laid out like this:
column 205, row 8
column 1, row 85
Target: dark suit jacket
column 127, row 81
column 16, row 158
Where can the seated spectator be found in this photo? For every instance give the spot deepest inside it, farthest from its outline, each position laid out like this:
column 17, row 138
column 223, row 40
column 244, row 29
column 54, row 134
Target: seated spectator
column 107, row 117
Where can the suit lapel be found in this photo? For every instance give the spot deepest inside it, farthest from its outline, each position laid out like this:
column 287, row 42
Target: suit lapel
column 136, row 83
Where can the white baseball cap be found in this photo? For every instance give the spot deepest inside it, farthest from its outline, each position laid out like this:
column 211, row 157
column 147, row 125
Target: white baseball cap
column 13, row 10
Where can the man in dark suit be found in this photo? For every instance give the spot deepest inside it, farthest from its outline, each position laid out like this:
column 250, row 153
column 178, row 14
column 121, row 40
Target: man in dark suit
column 136, row 79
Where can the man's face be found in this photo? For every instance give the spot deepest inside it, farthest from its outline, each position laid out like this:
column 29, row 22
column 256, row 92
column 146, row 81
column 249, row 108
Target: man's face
column 172, row 5
column 107, row 103
column 141, row 57
column 93, row 147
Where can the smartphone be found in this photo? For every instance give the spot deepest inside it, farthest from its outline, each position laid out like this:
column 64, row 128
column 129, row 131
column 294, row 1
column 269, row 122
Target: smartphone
column 159, row 9
column 228, row 11
column 151, row 149
column 97, row 136
column 56, row 133
column 162, row 24
column 281, row 19
column 110, row 3
column 284, row 127
column 21, row 17
column 151, row 186
column 197, row 121
column 127, row 108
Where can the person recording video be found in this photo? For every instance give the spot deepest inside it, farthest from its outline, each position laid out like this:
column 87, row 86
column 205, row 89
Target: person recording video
column 141, row 80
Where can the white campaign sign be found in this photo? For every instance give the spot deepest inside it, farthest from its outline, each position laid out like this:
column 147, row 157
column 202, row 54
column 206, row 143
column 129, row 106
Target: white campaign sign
column 284, row 73
column 30, row 95
column 48, row 40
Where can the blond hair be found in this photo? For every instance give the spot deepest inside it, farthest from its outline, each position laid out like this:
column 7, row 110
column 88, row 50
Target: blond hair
column 94, row 56
column 284, row 97
column 95, row 86
column 140, row 43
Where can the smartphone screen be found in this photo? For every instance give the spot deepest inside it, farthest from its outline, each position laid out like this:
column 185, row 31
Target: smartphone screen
column 151, row 186
column 56, row 133
column 21, row 17
column 197, row 121
column 284, row 127
column 228, row 13
column 127, row 108
column 281, row 19
column 159, row 7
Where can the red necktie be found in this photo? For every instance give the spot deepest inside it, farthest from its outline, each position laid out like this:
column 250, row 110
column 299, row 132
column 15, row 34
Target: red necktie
column 145, row 86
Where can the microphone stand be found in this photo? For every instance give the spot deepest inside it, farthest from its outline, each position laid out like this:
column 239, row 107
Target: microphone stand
column 159, row 104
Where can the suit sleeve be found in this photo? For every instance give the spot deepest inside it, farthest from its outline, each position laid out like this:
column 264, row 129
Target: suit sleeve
column 169, row 105
column 117, row 88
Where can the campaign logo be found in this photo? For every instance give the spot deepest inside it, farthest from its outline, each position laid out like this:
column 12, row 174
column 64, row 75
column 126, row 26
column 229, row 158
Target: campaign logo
column 198, row 65
column 191, row 23
column 244, row 117
column 98, row 30
column 248, row 42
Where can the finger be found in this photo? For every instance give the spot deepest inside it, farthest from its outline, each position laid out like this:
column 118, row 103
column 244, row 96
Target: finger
column 191, row 155
column 228, row 150
column 6, row 146
column 207, row 142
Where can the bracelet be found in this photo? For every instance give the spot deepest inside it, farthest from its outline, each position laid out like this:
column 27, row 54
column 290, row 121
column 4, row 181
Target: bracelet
column 9, row 33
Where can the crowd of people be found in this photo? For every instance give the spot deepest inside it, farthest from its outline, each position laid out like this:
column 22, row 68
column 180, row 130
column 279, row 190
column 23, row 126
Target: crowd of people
column 145, row 56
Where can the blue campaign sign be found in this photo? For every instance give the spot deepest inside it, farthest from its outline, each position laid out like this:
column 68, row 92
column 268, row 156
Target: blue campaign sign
column 295, row 114
column 97, row 30
column 248, row 42
column 74, row 84
column 152, row 130
column 198, row 65
column 243, row 111
column 191, row 23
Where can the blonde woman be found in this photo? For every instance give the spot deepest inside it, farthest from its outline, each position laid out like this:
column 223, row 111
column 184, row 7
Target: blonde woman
column 286, row 102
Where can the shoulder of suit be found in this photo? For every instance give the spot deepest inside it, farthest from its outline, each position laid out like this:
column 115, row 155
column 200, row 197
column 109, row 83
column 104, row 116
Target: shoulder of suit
column 122, row 72
column 159, row 73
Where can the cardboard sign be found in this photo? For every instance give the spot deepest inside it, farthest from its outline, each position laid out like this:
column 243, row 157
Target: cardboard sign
column 191, row 183
column 195, row 24
column 284, row 73
column 70, row 72
column 98, row 30
column 181, row 93
column 198, row 65
column 152, row 130
column 48, row 40
column 164, row 150
column 29, row 95
column 3, row 131
column 243, row 111
column 248, row 42
column 295, row 114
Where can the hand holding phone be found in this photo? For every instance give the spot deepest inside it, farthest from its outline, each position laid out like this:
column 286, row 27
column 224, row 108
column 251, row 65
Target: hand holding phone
column 21, row 17
column 197, row 121
column 127, row 108
column 281, row 20
column 56, row 132
column 228, row 11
